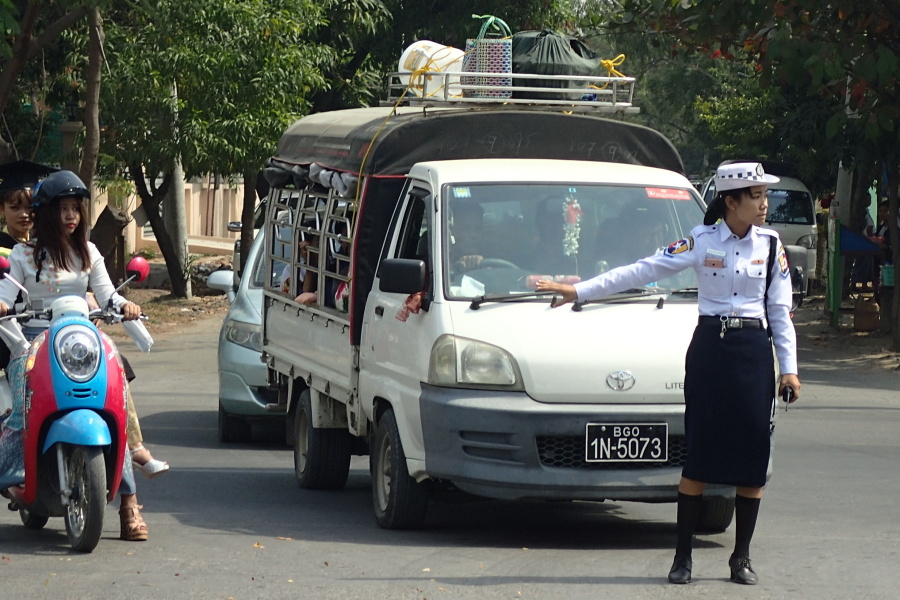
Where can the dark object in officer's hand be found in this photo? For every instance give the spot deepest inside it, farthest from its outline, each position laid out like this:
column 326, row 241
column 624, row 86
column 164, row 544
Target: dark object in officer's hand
column 787, row 395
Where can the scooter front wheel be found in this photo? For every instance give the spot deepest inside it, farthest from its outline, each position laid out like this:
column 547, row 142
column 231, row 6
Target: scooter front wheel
column 86, row 470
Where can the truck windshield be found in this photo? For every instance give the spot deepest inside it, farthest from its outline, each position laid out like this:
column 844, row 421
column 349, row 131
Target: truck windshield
column 503, row 238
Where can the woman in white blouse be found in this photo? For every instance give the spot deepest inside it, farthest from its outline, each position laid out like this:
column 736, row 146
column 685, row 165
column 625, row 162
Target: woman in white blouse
column 59, row 260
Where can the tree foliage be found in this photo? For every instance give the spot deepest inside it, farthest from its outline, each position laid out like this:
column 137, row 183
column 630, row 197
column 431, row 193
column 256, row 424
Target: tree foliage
column 210, row 84
column 841, row 54
column 831, row 68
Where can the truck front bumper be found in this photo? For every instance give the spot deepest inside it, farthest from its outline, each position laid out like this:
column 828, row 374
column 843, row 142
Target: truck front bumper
column 506, row 445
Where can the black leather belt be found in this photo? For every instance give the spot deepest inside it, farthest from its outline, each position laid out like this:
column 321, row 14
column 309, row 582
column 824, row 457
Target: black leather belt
column 731, row 322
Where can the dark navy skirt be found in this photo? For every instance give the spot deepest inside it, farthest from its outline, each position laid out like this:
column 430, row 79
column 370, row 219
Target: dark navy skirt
column 729, row 391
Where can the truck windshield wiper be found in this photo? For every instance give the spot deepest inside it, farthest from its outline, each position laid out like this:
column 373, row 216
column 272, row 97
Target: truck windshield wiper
column 477, row 302
column 628, row 294
column 686, row 291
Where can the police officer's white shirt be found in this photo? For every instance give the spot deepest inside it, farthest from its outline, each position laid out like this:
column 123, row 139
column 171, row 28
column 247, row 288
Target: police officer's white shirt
column 732, row 279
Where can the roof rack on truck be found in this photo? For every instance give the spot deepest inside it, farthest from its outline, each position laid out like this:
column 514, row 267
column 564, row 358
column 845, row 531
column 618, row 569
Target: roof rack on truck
column 581, row 93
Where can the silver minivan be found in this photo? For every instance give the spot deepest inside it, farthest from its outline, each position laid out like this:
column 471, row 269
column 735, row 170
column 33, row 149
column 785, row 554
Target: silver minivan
column 243, row 377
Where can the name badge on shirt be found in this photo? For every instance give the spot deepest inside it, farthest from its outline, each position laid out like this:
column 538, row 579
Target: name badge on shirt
column 714, row 258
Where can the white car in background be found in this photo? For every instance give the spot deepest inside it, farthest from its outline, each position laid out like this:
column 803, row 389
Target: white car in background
column 792, row 211
column 243, row 388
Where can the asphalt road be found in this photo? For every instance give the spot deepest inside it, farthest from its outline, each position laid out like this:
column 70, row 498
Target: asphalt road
column 228, row 521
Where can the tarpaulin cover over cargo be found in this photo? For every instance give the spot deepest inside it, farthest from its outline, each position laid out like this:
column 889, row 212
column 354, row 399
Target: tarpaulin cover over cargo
column 339, row 140
column 382, row 144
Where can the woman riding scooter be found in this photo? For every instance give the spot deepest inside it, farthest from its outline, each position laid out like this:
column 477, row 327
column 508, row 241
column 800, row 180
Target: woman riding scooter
column 58, row 261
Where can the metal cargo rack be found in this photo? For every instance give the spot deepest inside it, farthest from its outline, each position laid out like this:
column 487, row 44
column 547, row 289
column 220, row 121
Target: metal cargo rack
column 482, row 89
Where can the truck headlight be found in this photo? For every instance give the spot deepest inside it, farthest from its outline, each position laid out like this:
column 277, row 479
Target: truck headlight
column 244, row 334
column 464, row 363
column 78, row 352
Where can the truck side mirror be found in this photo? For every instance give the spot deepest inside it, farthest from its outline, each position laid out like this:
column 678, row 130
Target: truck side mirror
column 402, row 275
column 797, row 257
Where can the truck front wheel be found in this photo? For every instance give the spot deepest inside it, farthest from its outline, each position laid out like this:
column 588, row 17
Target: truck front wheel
column 717, row 514
column 399, row 501
column 321, row 456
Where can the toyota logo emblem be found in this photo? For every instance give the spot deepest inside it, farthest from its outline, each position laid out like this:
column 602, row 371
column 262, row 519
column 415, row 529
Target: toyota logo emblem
column 620, row 381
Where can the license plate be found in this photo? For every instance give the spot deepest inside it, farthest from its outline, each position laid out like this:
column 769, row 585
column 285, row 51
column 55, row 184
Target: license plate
column 627, row 442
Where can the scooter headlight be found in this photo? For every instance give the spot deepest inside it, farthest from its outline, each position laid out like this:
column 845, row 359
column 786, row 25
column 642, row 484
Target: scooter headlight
column 78, row 352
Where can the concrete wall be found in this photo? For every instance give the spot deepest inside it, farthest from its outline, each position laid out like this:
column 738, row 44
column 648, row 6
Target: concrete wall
column 210, row 206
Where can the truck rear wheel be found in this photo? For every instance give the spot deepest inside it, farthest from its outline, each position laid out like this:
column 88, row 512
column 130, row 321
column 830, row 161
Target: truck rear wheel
column 717, row 514
column 399, row 501
column 321, row 456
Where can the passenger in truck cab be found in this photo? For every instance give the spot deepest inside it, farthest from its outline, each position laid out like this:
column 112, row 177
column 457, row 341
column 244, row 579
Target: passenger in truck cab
column 553, row 255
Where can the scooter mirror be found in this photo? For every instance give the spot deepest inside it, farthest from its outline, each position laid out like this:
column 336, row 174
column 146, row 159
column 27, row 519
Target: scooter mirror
column 137, row 269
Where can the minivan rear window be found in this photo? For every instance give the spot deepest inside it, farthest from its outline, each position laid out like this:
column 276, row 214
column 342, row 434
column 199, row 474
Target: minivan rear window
column 790, row 206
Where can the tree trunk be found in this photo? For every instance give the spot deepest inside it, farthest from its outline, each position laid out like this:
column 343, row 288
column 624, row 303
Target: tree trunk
column 151, row 201
column 91, row 116
column 247, row 211
column 176, row 224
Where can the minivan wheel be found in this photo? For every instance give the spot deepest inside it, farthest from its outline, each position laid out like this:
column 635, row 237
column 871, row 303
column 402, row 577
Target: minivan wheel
column 232, row 429
column 399, row 501
column 716, row 515
column 321, row 456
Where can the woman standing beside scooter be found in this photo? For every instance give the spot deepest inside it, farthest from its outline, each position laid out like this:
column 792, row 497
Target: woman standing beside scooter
column 58, row 261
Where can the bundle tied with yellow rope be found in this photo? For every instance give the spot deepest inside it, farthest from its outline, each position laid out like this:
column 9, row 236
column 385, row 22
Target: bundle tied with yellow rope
column 549, row 52
column 489, row 52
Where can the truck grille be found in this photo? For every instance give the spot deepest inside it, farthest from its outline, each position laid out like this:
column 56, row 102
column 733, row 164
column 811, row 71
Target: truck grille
column 567, row 452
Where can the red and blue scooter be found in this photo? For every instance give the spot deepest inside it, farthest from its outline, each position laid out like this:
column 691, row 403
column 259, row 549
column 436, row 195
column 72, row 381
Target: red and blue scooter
column 74, row 416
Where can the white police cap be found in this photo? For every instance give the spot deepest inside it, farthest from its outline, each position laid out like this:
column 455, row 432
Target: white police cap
column 742, row 175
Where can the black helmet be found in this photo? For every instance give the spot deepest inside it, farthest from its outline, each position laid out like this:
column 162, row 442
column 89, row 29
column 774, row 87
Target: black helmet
column 58, row 185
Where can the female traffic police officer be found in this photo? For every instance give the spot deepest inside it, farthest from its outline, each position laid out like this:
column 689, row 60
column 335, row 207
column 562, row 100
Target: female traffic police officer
column 729, row 384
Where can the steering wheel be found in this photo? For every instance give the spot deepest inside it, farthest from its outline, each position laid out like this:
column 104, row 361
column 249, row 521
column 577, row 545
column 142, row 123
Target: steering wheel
column 496, row 263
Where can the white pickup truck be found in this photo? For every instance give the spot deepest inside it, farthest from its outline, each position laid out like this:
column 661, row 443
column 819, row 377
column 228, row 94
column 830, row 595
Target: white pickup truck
column 426, row 345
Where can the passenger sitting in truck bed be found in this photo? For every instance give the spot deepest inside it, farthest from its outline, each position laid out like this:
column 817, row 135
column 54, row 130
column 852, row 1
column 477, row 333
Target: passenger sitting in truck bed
column 467, row 236
column 337, row 290
column 306, row 282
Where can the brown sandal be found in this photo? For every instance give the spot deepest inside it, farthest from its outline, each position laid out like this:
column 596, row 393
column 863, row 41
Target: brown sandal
column 133, row 528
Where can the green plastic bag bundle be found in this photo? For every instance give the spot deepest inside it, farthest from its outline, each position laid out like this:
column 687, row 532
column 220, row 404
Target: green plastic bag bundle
column 550, row 53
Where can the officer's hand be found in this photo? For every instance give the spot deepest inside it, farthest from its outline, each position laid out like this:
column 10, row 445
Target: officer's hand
column 3, row 309
column 563, row 289
column 790, row 380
